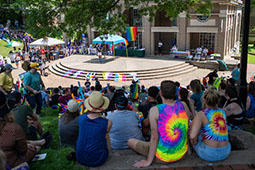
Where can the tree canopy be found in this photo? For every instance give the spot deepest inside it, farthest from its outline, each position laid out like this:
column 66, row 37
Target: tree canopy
column 51, row 17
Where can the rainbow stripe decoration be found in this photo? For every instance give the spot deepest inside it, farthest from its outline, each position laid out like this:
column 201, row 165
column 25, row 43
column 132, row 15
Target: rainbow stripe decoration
column 91, row 75
column 173, row 125
column 119, row 77
column 78, row 73
column 135, row 91
column 107, row 76
column 216, row 129
column 126, row 42
column 69, row 72
column 131, row 33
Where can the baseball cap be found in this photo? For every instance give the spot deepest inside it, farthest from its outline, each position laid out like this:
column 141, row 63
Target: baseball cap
column 72, row 106
column 34, row 65
column 121, row 102
column 8, row 66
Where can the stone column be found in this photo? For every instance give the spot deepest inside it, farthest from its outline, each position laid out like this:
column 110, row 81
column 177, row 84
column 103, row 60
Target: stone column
column 146, row 36
column 89, row 35
column 181, row 35
column 221, row 36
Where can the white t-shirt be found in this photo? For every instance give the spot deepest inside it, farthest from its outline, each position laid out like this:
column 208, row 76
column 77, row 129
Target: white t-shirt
column 199, row 50
column 205, row 51
column 160, row 44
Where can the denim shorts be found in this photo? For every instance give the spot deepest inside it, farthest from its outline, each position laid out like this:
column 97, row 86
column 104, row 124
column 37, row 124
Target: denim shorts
column 211, row 154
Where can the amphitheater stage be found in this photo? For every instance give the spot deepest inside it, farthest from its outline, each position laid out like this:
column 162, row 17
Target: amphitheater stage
column 78, row 66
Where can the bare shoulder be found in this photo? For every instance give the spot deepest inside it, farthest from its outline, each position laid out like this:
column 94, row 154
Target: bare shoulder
column 153, row 113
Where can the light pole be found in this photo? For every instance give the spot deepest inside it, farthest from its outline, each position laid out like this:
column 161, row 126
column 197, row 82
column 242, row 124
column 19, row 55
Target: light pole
column 245, row 42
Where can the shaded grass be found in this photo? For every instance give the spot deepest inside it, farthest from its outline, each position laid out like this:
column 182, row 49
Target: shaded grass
column 56, row 155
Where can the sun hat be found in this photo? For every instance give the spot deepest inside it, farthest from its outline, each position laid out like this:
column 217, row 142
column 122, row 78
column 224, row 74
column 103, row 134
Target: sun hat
column 72, row 106
column 8, row 66
column 34, row 65
column 96, row 102
column 6, row 105
column 121, row 102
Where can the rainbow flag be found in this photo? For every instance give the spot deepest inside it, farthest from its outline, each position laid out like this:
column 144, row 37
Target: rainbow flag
column 124, row 78
column 131, row 33
column 135, row 91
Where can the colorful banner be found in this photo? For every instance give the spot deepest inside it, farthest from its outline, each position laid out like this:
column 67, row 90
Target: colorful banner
column 120, row 78
column 107, row 76
column 91, row 76
column 78, row 73
column 69, row 72
column 131, row 33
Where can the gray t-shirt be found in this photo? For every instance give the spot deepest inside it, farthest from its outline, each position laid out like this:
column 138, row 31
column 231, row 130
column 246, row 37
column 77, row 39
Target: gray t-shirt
column 125, row 125
column 68, row 132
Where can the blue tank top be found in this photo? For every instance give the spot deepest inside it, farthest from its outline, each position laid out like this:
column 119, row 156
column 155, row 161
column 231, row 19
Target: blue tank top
column 91, row 148
column 251, row 111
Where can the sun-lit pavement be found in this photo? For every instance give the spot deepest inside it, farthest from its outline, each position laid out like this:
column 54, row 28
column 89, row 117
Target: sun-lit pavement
column 53, row 80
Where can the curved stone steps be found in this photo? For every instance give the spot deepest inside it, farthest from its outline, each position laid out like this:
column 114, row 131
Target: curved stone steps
column 179, row 65
column 143, row 73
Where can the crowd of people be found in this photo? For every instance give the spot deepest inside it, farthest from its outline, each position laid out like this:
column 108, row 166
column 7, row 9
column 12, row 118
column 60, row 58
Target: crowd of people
column 162, row 123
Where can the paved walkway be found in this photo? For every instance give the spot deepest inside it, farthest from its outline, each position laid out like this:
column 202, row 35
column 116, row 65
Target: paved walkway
column 54, row 81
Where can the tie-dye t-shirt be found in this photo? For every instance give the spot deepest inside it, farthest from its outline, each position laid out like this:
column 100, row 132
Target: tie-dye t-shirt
column 172, row 127
column 216, row 129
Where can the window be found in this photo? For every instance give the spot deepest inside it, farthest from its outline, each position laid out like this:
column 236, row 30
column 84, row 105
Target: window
column 207, row 40
column 137, row 19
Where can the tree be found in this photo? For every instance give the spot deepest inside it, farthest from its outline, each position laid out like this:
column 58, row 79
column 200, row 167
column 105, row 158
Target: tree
column 51, row 17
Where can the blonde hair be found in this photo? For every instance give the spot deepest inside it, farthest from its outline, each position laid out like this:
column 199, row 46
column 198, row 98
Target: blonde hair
column 211, row 96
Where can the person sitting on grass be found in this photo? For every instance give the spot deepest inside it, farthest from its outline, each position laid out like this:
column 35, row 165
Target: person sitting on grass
column 12, row 138
column 93, row 144
column 65, row 97
column 68, row 125
column 24, row 114
column 212, row 144
column 165, row 121
column 125, row 125
column 53, row 99
column 234, row 109
column 250, row 106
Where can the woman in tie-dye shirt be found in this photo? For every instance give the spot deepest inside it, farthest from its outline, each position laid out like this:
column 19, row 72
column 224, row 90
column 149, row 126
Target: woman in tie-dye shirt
column 169, row 126
column 212, row 144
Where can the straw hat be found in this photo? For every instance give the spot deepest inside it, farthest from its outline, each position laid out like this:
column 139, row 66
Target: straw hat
column 72, row 106
column 96, row 102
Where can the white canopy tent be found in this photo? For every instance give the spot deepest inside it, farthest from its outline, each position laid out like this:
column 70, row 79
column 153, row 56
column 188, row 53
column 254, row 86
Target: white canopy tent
column 46, row 42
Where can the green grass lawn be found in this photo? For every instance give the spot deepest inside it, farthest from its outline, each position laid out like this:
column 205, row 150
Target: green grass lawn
column 4, row 51
column 56, row 155
column 251, row 58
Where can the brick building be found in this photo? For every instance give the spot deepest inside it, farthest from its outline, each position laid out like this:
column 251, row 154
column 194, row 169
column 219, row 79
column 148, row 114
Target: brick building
column 220, row 31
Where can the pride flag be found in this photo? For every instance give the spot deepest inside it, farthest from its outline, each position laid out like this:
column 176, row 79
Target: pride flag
column 126, row 42
column 135, row 91
column 131, row 33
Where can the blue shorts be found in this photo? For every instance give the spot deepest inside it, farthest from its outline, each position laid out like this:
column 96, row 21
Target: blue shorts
column 211, row 154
